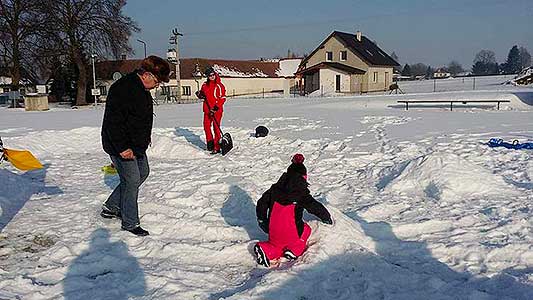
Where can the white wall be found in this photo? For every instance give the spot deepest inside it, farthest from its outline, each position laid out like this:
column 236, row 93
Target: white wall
column 327, row 80
column 234, row 86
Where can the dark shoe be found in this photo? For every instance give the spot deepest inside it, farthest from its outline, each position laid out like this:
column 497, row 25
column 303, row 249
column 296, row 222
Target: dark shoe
column 289, row 255
column 138, row 231
column 261, row 257
column 108, row 214
column 215, row 152
column 210, row 145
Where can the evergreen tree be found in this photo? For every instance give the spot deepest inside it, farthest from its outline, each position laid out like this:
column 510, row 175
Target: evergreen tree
column 513, row 63
column 406, row 71
column 429, row 72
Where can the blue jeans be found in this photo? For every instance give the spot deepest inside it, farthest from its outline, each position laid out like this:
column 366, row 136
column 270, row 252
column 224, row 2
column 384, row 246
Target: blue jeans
column 132, row 174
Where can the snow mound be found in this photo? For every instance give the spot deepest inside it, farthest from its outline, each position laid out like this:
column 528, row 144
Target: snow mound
column 448, row 177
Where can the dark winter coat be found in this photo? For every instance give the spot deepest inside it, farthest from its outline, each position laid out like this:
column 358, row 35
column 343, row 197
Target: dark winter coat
column 291, row 189
column 128, row 117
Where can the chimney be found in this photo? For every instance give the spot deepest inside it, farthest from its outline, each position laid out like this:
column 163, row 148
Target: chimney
column 358, row 36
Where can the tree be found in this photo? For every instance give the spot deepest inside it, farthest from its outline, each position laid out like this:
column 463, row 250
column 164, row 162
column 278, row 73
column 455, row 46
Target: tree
column 429, row 72
column 19, row 23
column 418, row 69
column 83, row 27
column 525, row 58
column 455, row 68
column 485, row 63
column 513, row 64
column 406, row 71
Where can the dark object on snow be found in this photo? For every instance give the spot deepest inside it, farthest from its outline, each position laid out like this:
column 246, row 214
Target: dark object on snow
column 261, row 131
column 494, row 142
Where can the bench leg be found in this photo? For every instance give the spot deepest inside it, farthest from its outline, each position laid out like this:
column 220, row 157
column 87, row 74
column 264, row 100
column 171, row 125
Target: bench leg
column 451, row 106
column 498, row 105
column 406, row 105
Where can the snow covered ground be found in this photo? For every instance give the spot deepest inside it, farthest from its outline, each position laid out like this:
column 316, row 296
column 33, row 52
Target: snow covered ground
column 423, row 208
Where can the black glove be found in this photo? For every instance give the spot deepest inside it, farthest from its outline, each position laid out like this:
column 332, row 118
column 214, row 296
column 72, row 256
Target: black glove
column 328, row 221
column 263, row 225
column 200, row 94
column 215, row 108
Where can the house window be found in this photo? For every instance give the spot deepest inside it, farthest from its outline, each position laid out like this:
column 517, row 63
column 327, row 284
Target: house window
column 103, row 90
column 375, row 77
column 165, row 90
column 186, row 90
column 344, row 55
column 329, row 56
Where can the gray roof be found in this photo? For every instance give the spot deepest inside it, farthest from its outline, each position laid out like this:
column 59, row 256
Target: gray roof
column 365, row 49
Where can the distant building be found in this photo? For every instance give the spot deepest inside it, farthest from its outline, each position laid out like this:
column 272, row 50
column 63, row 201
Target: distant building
column 441, row 73
column 241, row 77
column 347, row 63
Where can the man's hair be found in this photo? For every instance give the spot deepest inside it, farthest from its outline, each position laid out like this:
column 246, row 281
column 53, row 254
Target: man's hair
column 157, row 66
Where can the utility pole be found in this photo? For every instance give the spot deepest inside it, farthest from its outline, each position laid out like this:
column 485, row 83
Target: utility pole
column 174, row 41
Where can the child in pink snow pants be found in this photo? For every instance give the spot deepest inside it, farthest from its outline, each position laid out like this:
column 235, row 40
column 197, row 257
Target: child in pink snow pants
column 279, row 213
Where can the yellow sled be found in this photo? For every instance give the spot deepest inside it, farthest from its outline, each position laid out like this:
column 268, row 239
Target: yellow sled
column 22, row 160
column 109, row 170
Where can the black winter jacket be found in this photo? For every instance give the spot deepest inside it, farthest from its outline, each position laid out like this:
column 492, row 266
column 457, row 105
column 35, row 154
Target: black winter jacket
column 291, row 188
column 128, row 117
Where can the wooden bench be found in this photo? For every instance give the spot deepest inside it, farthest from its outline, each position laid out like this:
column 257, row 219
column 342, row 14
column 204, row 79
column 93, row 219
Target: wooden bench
column 452, row 102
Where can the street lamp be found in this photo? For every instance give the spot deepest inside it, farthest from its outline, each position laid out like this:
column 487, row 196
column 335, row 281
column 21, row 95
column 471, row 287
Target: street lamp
column 144, row 44
column 93, row 58
column 197, row 75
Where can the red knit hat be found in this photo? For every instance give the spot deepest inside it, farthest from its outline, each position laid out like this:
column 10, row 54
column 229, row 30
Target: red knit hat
column 297, row 164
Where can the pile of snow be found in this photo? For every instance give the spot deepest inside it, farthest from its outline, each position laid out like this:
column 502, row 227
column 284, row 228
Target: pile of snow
column 287, row 67
column 448, row 177
column 225, row 71
column 525, row 77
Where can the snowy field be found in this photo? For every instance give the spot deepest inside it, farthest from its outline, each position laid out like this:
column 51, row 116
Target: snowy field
column 423, row 208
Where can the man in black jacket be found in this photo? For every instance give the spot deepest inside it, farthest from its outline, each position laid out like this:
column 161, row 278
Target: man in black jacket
column 126, row 134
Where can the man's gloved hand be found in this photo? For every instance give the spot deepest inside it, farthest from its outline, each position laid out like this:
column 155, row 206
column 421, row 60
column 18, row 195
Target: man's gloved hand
column 215, row 108
column 263, row 225
column 328, row 221
column 211, row 113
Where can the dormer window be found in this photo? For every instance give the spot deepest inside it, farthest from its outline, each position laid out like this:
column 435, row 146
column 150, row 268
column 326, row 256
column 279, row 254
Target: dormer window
column 343, row 55
column 329, row 56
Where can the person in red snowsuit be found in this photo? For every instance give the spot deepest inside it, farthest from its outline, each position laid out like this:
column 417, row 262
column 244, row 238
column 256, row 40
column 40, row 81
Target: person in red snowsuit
column 214, row 94
column 279, row 213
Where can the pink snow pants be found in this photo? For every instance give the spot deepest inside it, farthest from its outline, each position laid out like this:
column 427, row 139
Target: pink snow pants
column 283, row 234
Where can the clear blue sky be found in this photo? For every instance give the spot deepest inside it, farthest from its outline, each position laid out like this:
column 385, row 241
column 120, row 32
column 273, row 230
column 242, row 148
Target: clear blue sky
column 428, row 31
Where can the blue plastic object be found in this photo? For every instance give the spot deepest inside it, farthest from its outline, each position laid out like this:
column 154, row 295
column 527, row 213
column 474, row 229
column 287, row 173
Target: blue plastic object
column 495, row 142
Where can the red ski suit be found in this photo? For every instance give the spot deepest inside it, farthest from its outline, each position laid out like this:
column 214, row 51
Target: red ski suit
column 279, row 213
column 213, row 107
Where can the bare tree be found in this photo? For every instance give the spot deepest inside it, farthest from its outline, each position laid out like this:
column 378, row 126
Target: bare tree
column 19, row 24
column 83, row 27
column 455, row 68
